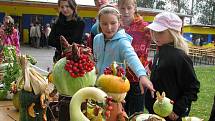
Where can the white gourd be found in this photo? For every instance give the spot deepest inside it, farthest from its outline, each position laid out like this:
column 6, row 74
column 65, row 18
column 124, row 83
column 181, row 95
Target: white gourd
column 81, row 96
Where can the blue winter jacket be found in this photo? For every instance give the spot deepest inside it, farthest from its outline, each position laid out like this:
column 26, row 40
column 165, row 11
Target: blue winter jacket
column 117, row 49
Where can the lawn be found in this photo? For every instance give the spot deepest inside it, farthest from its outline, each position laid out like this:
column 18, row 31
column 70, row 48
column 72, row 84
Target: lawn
column 202, row 107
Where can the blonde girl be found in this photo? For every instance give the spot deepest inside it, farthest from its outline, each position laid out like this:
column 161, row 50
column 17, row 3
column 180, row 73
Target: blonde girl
column 172, row 69
column 113, row 44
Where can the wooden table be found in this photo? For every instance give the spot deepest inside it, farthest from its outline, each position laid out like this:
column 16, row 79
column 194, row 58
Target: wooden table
column 8, row 111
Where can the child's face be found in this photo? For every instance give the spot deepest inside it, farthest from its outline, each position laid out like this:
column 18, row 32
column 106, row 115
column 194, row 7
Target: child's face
column 162, row 38
column 65, row 9
column 127, row 10
column 109, row 24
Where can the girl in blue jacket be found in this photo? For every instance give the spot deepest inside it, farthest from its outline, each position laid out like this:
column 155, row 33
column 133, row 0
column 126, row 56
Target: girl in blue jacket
column 113, row 44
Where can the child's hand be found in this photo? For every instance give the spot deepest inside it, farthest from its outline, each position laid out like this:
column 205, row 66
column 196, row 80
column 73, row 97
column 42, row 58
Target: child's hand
column 144, row 82
column 173, row 116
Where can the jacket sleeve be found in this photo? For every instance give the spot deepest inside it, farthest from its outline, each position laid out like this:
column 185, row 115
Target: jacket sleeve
column 53, row 38
column 189, row 84
column 80, row 32
column 129, row 55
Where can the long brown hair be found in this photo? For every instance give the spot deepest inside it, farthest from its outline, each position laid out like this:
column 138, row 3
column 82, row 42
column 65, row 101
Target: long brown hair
column 73, row 5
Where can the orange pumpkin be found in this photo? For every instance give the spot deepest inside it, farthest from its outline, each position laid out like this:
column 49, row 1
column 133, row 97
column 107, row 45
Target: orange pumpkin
column 113, row 84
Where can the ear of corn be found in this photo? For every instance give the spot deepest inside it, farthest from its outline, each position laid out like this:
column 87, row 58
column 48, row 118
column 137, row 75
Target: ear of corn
column 34, row 84
column 33, row 80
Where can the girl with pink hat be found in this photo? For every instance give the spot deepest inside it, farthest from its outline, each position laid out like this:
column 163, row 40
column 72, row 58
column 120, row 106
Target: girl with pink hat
column 172, row 69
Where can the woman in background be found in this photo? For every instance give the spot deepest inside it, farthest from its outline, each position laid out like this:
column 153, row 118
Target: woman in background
column 68, row 24
column 71, row 26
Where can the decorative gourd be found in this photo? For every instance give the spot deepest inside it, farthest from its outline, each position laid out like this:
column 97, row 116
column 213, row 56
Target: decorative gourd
column 114, row 82
column 34, row 85
column 68, row 85
column 81, row 96
column 163, row 106
column 25, row 111
column 116, row 85
column 74, row 71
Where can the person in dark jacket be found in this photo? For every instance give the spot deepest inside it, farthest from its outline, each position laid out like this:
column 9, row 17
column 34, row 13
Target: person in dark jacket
column 68, row 24
column 71, row 26
column 172, row 69
column 212, row 116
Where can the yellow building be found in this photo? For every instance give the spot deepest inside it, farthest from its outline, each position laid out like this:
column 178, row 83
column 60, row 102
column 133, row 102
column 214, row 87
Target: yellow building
column 26, row 12
column 204, row 32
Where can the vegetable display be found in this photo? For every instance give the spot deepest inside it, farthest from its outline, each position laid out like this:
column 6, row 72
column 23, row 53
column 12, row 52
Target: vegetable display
column 116, row 85
column 75, row 70
column 81, row 96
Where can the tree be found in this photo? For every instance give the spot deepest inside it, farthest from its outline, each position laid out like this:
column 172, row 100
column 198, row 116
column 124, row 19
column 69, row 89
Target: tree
column 205, row 11
column 161, row 5
column 145, row 3
column 179, row 6
column 150, row 4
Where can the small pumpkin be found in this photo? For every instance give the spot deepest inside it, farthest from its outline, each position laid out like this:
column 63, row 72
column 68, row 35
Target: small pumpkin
column 113, row 80
column 113, row 84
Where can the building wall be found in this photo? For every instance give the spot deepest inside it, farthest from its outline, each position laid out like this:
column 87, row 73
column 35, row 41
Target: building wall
column 44, row 13
column 199, row 29
column 207, row 32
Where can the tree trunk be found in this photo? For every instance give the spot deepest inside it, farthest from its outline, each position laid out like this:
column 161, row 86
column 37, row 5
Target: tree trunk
column 191, row 19
column 179, row 6
column 213, row 10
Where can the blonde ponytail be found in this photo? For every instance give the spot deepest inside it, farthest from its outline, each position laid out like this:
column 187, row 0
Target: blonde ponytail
column 179, row 41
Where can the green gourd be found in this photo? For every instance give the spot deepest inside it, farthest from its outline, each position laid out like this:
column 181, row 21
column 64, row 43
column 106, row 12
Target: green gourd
column 26, row 99
column 68, row 85
column 162, row 106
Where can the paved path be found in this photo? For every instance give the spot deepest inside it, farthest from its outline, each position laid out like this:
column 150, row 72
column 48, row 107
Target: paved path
column 42, row 55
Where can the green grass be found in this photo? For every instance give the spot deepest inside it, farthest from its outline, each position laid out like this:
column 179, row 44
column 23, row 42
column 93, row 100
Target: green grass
column 202, row 107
